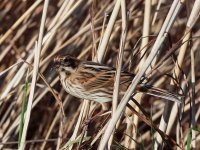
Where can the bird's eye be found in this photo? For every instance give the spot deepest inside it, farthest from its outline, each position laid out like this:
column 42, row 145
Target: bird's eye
column 69, row 62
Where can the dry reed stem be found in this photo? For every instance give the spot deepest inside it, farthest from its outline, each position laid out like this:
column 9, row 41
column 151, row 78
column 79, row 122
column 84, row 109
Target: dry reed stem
column 68, row 31
column 137, row 78
column 176, row 73
column 38, row 47
column 144, row 42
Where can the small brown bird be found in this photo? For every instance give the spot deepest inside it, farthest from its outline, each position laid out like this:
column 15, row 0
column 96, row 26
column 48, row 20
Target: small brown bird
column 94, row 81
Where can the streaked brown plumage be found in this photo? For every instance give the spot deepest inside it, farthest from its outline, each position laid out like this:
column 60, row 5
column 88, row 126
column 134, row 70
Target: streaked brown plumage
column 94, row 81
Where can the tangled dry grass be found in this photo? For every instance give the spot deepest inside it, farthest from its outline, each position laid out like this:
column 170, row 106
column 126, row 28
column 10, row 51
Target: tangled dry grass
column 155, row 39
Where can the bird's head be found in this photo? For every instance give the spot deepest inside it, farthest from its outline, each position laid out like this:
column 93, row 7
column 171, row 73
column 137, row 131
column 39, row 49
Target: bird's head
column 66, row 63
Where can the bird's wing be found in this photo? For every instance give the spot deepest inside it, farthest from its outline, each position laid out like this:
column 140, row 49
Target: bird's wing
column 101, row 76
column 97, row 76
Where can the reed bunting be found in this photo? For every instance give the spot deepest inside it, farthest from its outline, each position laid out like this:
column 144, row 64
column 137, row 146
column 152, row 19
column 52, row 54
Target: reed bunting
column 94, row 81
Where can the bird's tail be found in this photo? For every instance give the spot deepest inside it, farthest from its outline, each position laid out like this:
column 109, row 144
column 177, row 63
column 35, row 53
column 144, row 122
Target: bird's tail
column 157, row 92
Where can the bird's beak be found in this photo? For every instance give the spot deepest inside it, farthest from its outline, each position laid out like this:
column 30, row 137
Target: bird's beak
column 57, row 62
